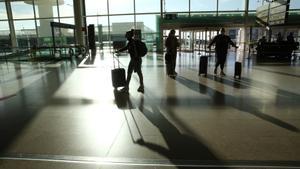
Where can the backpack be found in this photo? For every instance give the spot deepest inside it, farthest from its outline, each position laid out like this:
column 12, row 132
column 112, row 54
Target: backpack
column 141, row 48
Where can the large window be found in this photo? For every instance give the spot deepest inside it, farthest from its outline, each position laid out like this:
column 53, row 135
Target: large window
column 3, row 14
column 26, row 33
column 120, row 7
column 203, row 5
column 176, row 6
column 98, row 7
column 295, row 4
column 148, row 21
column 66, row 9
column 121, row 24
column 4, row 35
column 4, row 27
column 143, row 6
column 101, row 28
column 253, row 4
column 147, row 24
column 22, row 9
column 231, row 5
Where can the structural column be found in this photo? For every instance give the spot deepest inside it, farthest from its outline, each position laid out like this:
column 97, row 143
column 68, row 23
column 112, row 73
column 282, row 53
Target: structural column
column 247, row 34
column 78, row 17
column 13, row 37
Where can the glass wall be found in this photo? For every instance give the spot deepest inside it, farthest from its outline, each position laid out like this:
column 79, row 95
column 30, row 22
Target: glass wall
column 22, row 9
column 4, row 30
column 66, row 9
column 203, row 5
column 120, row 7
column 3, row 14
column 253, row 4
column 178, row 6
column 231, row 5
column 294, row 4
column 98, row 7
column 148, row 28
column 143, row 6
column 31, row 21
column 5, row 42
column 25, row 33
column 101, row 30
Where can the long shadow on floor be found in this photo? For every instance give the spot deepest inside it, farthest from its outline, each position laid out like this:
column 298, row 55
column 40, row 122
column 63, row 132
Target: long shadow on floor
column 233, row 102
column 236, row 83
column 182, row 149
column 229, row 82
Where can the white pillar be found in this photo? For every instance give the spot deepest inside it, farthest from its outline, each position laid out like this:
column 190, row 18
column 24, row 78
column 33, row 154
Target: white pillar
column 45, row 10
column 13, row 37
column 78, row 17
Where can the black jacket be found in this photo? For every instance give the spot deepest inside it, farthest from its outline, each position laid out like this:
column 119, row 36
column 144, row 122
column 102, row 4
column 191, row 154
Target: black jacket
column 222, row 42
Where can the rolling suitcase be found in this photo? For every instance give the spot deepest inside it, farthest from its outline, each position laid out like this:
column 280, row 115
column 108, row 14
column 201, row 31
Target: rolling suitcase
column 118, row 75
column 237, row 69
column 203, row 65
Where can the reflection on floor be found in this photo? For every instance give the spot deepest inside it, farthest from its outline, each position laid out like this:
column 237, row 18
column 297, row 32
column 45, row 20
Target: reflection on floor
column 67, row 115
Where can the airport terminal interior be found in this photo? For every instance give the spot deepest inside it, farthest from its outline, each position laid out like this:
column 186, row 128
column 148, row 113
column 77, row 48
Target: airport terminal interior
column 60, row 110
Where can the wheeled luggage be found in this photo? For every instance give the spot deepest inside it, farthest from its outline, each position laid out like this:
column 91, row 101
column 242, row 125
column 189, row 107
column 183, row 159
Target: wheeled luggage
column 118, row 75
column 203, row 65
column 237, row 69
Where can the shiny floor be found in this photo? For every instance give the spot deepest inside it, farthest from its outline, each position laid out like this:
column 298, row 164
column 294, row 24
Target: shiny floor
column 66, row 115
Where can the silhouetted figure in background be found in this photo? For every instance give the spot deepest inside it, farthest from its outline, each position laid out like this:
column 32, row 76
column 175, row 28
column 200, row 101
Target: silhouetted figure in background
column 291, row 41
column 290, row 38
column 262, row 40
column 33, row 51
column 279, row 38
column 135, row 63
column 171, row 45
column 222, row 42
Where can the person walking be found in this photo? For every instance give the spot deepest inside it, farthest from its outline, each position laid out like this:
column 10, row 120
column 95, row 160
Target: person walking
column 222, row 42
column 135, row 63
column 171, row 45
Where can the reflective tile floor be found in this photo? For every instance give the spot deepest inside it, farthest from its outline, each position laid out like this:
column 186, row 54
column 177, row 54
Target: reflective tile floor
column 66, row 115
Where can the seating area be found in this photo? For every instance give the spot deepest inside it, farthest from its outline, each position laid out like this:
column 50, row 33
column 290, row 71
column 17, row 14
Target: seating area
column 274, row 51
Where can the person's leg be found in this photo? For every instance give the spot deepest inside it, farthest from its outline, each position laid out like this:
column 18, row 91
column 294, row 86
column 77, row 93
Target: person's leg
column 174, row 64
column 140, row 74
column 141, row 87
column 222, row 64
column 129, row 73
column 217, row 64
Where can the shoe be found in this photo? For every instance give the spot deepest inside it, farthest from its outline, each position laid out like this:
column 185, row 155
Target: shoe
column 172, row 76
column 222, row 73
column 141, row 89
column 125, row 89
column 215, row 71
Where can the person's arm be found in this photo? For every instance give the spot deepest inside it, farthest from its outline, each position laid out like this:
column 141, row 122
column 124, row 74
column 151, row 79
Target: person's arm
column 123, row 49
column 232, row 43
column 212, row 42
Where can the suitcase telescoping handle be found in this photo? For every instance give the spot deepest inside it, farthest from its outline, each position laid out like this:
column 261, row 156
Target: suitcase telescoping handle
column 115, row 55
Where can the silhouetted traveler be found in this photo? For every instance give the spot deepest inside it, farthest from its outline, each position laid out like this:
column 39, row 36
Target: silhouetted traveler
column 293, row 46
column 222, row 42
column 171, row 45
column 262, row 40
column 33, row 51
column 135, row 63
column 279, row 38
column 290, row 37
